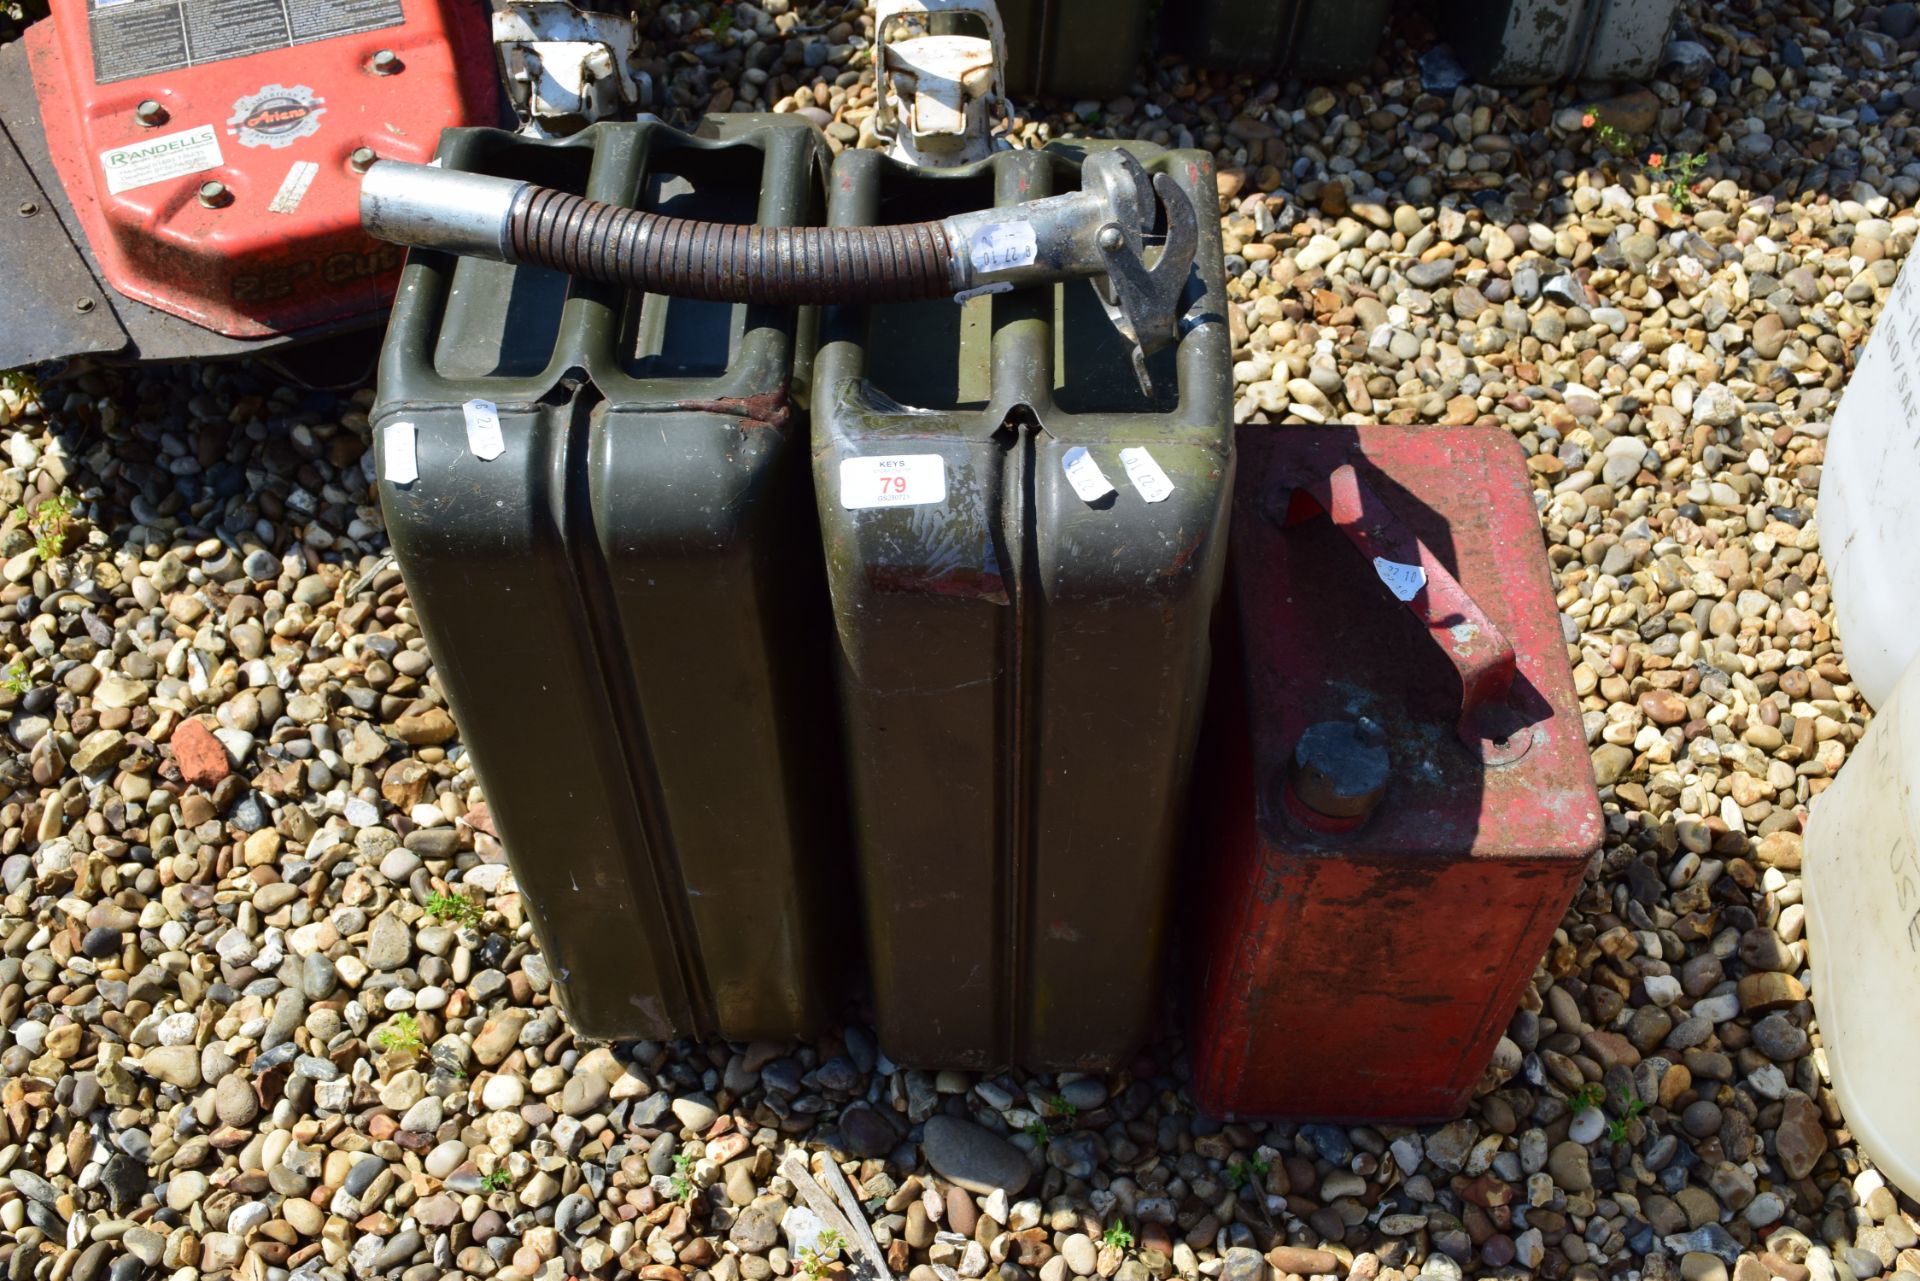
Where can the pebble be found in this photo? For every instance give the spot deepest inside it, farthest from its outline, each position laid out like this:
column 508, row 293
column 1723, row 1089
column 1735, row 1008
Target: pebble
column 1801, row 1136
column 234, row 1100
column 503, row 1093
column 695, row 1112
column 974, row 1158
column 176, row 1065
column 754, row 1230
column 1568, row 1164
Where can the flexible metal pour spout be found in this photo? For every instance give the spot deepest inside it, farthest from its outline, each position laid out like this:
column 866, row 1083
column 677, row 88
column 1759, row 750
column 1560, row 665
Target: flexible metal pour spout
column 1103, row 230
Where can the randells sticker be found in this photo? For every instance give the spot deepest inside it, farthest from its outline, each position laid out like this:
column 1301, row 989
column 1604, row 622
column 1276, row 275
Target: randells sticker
column 276, row 116
column 151, row 160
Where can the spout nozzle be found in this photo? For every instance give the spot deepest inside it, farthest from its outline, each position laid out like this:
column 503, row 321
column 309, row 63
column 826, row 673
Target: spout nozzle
column 433, row 208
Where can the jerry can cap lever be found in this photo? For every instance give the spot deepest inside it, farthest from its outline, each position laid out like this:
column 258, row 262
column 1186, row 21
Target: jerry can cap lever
column 1144, row 302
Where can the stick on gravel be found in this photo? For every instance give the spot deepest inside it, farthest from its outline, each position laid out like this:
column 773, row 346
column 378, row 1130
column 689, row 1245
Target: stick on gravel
column 851, row 1226
column 862, row 1232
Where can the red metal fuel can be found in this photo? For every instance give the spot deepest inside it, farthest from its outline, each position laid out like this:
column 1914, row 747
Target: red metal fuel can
column 1399, row 800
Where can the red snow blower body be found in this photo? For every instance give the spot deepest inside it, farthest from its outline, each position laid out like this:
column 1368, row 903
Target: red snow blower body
column 189, row 185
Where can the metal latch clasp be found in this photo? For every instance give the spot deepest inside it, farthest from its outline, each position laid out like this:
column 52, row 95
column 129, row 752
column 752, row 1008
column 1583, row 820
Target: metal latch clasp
column 566, row 67
column 940, row 87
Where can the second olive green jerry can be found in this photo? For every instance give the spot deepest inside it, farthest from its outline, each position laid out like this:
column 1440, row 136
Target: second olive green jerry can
column 1023, row 550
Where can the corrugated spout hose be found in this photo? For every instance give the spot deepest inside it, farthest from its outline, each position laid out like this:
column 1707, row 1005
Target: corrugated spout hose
column 513, row 221
column 1102, row 229
column 728, row 262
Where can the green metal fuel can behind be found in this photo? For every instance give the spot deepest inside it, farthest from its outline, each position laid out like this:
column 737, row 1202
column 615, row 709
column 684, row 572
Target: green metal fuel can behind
column 600, row 501
column 1023, row 549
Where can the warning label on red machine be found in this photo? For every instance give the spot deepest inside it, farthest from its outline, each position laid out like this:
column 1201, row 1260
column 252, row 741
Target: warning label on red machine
column 146, row 37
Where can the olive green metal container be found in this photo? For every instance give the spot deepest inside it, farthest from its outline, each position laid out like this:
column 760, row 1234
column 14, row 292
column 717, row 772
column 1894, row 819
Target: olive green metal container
column 625, row 605
column 1526, row 42
column 1313, row 39
column 1074, row 48
column 1021, row 669
column 1093, row 48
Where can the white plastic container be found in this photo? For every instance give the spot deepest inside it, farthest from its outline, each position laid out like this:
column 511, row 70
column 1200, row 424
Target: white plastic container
column 1870, row 500
column 1861, row 881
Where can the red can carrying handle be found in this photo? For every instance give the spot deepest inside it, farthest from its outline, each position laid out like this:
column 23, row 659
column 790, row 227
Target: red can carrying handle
column 1409, row 570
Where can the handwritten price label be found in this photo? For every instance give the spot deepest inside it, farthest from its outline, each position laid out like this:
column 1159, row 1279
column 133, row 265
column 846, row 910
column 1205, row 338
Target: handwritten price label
column 893, row 480
column 1085, row 475
column 1002, row 246
column 403, row 467
column 483, row 429
column 1146, row 474
column 1404, row 581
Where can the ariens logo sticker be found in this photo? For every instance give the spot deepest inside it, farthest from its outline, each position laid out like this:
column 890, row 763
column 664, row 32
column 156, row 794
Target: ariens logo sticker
column 276, row 116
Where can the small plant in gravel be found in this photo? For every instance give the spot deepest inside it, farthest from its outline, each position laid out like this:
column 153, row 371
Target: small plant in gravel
column 682, row 1180
column 401, row 1037
column 1675, row 171
column 21, row 382
column 15, row 680
column 1036, row 1130
column 445, row 1060
column 1630, row 1107
column 49, row 520
column 457, row 908
column 1587, row 1097
column 1118, row 1237
column 1612, row 137
column 817, row 1259
column 1250, row 1170
column 1063, row 1106
column 497, row 1181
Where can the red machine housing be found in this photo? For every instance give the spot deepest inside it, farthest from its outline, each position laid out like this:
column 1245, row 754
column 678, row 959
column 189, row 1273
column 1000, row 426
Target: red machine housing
column 144, row 101
column 1361, row 965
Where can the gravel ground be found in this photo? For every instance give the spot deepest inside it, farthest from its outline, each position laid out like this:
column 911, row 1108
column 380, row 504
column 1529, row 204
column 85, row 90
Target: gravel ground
column 269, row 1003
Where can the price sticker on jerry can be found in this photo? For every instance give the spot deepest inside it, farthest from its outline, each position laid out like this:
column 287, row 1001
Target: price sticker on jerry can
column 893, row 480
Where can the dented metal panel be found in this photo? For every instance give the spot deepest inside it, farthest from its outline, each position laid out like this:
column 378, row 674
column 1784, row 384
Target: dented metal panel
column 1522, row 42
column 1021, row 664
column 1400, row 929
column 625, row 605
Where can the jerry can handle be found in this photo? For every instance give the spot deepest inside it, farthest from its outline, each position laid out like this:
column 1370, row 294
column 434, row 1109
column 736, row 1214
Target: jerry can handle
column 1414, row 575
